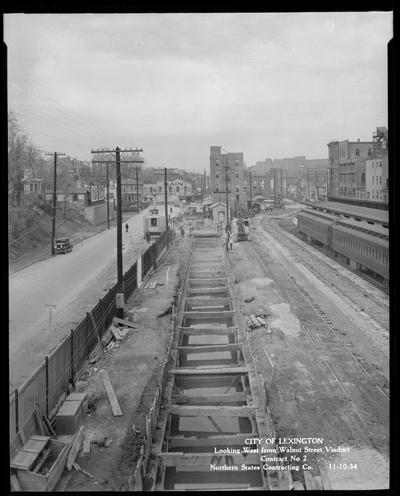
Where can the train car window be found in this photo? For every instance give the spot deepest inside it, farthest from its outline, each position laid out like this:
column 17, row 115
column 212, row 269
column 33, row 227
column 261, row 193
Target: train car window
column 153, row 221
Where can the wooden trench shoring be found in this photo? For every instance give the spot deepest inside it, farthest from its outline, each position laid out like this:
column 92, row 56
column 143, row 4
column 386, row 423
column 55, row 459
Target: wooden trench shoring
column 210, row 398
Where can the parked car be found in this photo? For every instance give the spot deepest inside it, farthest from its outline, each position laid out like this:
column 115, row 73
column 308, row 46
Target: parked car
column 63, row 245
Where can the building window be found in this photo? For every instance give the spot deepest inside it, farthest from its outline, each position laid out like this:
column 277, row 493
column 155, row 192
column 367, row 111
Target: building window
column 380, row 179
column 216, row 189
column 217, row 176
column 369, row 152
column 237, row 176
column 357, row 152
column 363, row 178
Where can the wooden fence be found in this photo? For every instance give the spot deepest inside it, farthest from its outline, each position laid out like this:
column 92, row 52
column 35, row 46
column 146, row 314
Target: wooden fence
column 45, row 388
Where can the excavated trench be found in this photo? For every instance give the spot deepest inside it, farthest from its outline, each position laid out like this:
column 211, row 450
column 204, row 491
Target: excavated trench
column 210, row 401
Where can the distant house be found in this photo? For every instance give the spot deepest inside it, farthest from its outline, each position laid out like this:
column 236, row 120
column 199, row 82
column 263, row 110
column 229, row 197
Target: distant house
column 32, row 185
column 76, row 195
column 218, row 210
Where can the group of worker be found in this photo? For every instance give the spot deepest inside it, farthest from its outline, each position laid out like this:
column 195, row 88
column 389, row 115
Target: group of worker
column 148, row 236
column 182, row 230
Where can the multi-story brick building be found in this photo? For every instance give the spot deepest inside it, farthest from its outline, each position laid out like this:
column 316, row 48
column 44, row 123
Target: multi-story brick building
column 177, row 189
column 347, row 167
column 131, row 192
column 376, row 169
column 227, row 171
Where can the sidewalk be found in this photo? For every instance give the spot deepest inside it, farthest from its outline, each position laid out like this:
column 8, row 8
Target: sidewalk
column 42, row 253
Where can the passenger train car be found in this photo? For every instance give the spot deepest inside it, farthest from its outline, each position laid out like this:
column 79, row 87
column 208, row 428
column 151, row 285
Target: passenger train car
column 364, row 246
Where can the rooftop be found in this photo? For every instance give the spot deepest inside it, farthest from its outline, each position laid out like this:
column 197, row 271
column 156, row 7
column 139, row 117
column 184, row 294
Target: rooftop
column 364, row 213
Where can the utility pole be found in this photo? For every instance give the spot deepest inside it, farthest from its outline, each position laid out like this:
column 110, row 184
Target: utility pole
column 281, row 190
column 316, row 183
column 308, row 185
column 108, row 199
column 166, row 204
column 118, row 162
column 274, row 188
column 137, row 189
column 53, row 228
column 119, row 220
column 251, row 192
column 226, row 167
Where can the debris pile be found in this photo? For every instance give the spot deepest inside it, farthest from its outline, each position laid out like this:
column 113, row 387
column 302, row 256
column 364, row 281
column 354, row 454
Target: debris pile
column 257, row 321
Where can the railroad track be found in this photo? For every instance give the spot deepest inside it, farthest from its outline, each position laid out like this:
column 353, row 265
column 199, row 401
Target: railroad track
column 342, row 287
column 371, row 403
column 348, row 283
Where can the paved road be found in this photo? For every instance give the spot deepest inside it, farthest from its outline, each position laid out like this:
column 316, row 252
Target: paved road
column 60, row 281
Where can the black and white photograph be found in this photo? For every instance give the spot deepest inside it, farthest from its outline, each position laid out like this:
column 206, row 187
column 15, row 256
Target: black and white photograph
column 198, row 251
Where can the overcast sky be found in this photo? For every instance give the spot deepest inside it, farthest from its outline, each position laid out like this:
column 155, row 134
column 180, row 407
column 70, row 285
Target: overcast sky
column 267, row 85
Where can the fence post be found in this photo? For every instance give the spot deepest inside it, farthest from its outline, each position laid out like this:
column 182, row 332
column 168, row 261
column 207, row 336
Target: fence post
column 72, row 357
column 16, row 411
column 47, row 386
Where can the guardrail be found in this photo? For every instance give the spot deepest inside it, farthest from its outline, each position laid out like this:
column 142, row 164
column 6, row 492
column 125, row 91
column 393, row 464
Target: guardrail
column 45, row 389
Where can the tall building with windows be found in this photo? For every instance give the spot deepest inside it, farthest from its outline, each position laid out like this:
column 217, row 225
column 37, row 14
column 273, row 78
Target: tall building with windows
column 227, row 170
column 347, row 161
column 376, row 169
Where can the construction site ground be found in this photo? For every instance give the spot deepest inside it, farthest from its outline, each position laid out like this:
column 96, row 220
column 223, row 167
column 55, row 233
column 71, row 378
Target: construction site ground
column 315, row 390
column 133, row 369
column 314, row 387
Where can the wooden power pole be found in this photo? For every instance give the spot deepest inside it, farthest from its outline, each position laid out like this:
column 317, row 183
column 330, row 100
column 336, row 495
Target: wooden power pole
column 53, row 227
column 118, row 162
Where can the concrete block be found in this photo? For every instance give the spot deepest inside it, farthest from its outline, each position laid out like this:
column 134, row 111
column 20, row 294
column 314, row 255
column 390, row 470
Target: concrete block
column 69, row 417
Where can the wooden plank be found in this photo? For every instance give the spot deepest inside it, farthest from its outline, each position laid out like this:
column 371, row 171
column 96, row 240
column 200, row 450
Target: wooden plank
column 324, row 478
column 194, row 315
column 219, row 411
column 124, row 322
column 115, row 333
column 42, row 459
column 204, row 331
column 203, row 460
column 207, row 307
column 111, row 394
column 24, row 460
column 210, row 348
column 308, row 480
column 217, row 371
column 15, row 483
column 317, row 483
column 64, row 481
column 75, row 446
column 209, row 399
column 78, row 467
column 22, row 436
column 38, row 420
column 97, row 333
column 86, row 446
column 225, row 440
